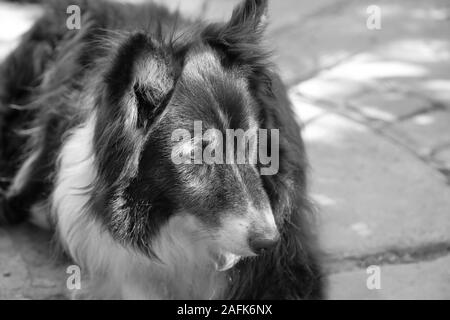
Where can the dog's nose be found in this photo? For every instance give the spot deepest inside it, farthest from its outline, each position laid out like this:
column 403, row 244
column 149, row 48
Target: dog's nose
column 259, row 243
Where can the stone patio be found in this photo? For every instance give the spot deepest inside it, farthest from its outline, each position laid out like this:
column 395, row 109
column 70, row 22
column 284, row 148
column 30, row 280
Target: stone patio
column 375, row 110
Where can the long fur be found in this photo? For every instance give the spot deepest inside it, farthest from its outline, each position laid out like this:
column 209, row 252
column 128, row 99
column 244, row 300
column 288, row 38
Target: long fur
column 78, row 114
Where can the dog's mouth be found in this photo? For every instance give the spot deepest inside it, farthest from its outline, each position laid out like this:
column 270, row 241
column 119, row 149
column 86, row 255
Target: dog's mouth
column 226, row 261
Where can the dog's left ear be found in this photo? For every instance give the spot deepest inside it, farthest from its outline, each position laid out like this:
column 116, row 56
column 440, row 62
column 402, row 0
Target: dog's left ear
column 249, row 16
column 244, row 29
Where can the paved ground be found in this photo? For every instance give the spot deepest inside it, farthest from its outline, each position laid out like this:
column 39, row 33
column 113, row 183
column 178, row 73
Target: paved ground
column 375, row 108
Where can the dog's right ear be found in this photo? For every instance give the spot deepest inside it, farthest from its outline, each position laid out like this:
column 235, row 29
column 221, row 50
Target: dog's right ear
column 140, row 80
column 132, row 93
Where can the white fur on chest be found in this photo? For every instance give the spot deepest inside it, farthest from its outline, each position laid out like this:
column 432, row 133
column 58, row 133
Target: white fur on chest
column 111, row 270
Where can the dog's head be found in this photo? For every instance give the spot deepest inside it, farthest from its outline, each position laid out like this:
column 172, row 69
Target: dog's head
column 162, row 139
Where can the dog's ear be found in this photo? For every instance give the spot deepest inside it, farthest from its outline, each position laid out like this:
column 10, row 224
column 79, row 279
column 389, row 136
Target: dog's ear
column 249, row 16
column 139, row 81
column 240, row 37
column 133, row 91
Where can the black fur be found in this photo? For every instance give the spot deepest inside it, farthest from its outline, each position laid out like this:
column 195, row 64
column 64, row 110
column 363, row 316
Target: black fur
column 53, row 68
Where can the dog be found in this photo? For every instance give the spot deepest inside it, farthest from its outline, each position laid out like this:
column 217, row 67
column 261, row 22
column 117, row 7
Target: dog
column 87, row 122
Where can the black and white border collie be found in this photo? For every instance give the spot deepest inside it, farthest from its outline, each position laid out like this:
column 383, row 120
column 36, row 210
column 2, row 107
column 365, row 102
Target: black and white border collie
column 87, row 118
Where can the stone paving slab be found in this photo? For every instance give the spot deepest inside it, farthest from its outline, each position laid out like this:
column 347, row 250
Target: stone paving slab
column 13, row 269
column 442, row 158
column 373, row 195
column 305, row 110
column 410, row 54
column 369, row 74
column 335, row 35
column 334, row 90
column 28, row 269
column 302, row 50
column 436, row 88
column 422, row 280
column 283, row 14
column 423, row 132
column 389, row 106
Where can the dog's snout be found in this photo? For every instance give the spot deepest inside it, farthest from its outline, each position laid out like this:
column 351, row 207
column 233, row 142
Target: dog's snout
column 264, row 233
column 259, row 242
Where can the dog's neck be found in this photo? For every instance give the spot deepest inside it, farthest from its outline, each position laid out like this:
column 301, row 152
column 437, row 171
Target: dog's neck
column 186, row 268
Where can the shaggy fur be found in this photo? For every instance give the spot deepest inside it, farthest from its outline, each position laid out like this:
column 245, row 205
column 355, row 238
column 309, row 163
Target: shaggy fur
column 86, row 118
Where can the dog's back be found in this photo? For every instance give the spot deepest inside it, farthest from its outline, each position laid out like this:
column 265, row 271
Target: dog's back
column 47, row 69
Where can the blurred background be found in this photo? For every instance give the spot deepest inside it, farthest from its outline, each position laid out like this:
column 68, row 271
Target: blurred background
column 370, row 84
